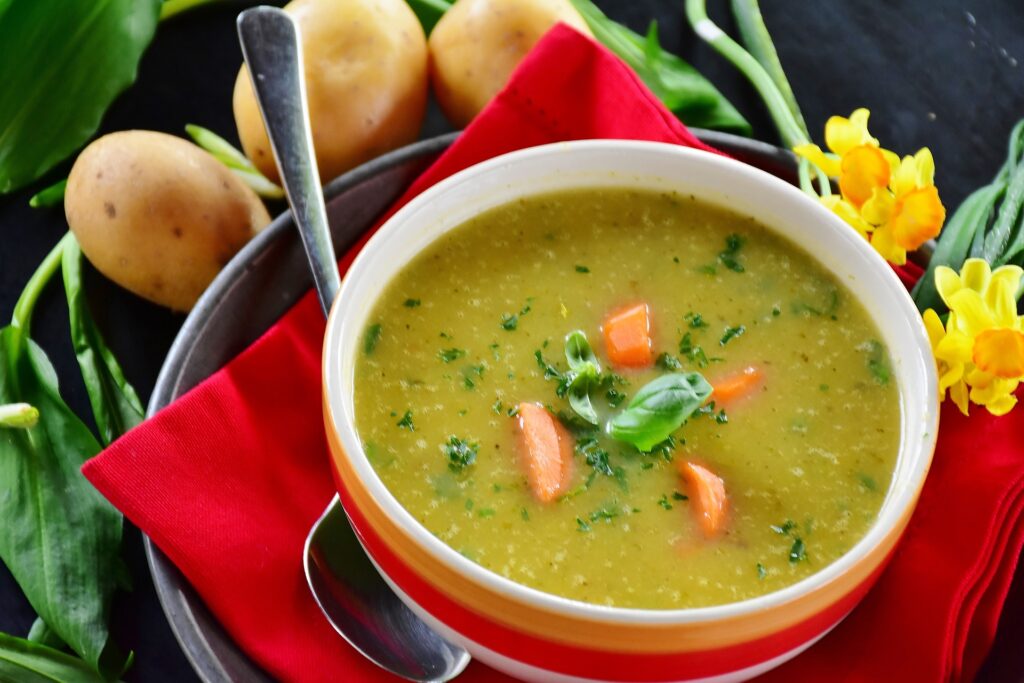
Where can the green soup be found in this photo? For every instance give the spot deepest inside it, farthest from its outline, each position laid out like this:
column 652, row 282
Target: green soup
column 465, row 332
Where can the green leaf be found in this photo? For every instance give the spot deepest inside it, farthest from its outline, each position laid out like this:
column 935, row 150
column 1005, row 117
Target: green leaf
column 50, row 196
column 24, row 661
column 63, row 66
column 115, row 405
column 44, row 635
column 429, row 12
column 659, row 408
column 239, row 164
column 60, row 539
column 677, row 84
column 584, row 374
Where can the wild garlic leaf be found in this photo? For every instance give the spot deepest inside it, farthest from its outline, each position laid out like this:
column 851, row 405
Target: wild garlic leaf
column 61, row 70
column 659, row 408
column 61, row 539
column 30, row 662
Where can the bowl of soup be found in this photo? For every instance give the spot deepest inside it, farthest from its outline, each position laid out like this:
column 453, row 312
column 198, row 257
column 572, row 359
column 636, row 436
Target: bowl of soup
column 626, row 411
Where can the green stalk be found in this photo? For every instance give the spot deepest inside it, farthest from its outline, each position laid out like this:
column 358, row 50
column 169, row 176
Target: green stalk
column 171, row 8
column 759, row 43
column 789, row 130
column 18, row 415
column 22, row 316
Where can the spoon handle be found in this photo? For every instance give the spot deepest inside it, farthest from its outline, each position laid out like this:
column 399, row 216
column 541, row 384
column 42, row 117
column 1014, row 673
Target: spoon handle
column 273, row 53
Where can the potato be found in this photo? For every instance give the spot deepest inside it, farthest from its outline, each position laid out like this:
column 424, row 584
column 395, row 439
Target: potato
column 366, row 80
column 477, row 43
column 158, row 215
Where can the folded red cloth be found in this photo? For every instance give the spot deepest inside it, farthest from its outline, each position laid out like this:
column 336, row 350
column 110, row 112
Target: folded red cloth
column 228, row 480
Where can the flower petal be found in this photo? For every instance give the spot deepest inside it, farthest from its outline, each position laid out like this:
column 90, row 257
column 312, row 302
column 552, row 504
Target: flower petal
column 813, row 154
column 972, row 316
column 917, row 217
column 933, row 326
column 1012, row 275
column 959, row 395
column 883, row 242
column 1000, row 352
column 1001, row 298
column 863, row 168
column 878, row 208
column 842, row 134
column 955, row 347
column 947, row 283
column 848, row 213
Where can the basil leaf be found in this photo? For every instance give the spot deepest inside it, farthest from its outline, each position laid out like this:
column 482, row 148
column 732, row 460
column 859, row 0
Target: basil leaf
column 681, row 88
column 62, row 68
column 584, row 374
column 28, row 662
column 60, row 539
column 579, row 354
column 115, row 405
column 659, row 408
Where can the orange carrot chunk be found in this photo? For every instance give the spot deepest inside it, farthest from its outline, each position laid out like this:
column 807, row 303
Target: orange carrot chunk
column 707, row 497
column 627, row 337
column 737, row 385
column 546, row 449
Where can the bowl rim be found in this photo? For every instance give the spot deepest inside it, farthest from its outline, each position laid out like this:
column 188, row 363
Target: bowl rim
column 897, row 505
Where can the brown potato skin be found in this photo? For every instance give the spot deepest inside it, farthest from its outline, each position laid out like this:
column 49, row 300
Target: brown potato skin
column 158, row 215
column 477, row 43
column 366, row 81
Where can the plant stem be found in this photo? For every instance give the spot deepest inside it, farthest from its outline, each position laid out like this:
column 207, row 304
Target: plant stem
column 18, row 416
column 22, row 316
column 789, row 130
column 171, row 8
column 759, row 43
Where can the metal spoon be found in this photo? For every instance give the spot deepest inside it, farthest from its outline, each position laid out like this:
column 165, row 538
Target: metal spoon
column 352, row 595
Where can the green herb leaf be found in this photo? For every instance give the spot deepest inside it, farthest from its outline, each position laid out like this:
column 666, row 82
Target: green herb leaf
column 798, row 551
column 596, row 457
column 411, row 303
column 239, row 164
column 614, row 397
column 584, row 374
column 371, row 338
column 509, row 321
column 461, row 454
column 677, row 84
column 729, row 256
column 582, row 269
column 761, row 571
column 581, row 525
column 663, row 502
column 26, row 661
column 448, row 355
column 115, row 405
column 49, row 196
column 659, row 408
column 471, row 374
column 406, row 422
column 730, row 334
column 693, row 352
column 878, row 363
column 61, row 539
column 61, row 71
column 668, row 362
column 695, row 320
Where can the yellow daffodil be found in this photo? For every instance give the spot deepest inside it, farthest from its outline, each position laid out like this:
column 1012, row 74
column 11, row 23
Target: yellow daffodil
column 891, row 202
column 980, row 350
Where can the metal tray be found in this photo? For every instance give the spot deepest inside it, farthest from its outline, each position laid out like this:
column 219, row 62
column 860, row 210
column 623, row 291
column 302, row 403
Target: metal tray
column 272, row 270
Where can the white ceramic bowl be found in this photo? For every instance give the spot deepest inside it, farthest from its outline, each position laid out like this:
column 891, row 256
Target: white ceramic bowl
column 542, row 637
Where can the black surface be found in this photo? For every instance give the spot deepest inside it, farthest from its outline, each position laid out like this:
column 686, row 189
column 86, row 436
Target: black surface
column 945, row 74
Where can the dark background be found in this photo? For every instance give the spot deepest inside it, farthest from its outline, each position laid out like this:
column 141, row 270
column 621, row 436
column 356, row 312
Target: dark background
column 946, row 74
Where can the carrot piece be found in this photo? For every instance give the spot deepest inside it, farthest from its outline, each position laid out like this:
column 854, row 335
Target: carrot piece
column 546, row 452
column 736, row 385
column 707, row 497
column 627, row 337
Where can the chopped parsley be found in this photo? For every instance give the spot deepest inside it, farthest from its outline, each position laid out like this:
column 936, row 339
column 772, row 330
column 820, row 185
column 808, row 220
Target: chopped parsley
column 372, row 338
column 667, row 361
column 614, row 397
column 878, row 365
column 785, row 528
column 595, row 456
column 510, row 321
column 406, row 422
column 581, row 525
column 471, row 374
column 605, row 514
column 761, row 571
column 448, row 355
column 731, row 333
column 525, row 514
column 798, row 551
column 867, row 481
column 461, row 453
column 663, row 502
column 709, row 269
column 485, row 512
column 411, row 303
column 776, row 311
column 582, row 269
column 728, row 256
column 679, row 496
column 513, row 411
column 497, row 407
column 692, row 351
column 695, row 320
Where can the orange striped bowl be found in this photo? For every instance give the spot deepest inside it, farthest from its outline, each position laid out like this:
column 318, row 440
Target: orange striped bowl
column 536, row 636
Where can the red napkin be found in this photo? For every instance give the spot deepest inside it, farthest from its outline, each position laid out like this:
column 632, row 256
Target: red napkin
column 228, row 480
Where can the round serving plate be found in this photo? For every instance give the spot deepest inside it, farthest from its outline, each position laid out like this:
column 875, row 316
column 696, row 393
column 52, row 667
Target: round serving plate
column 272, row 271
